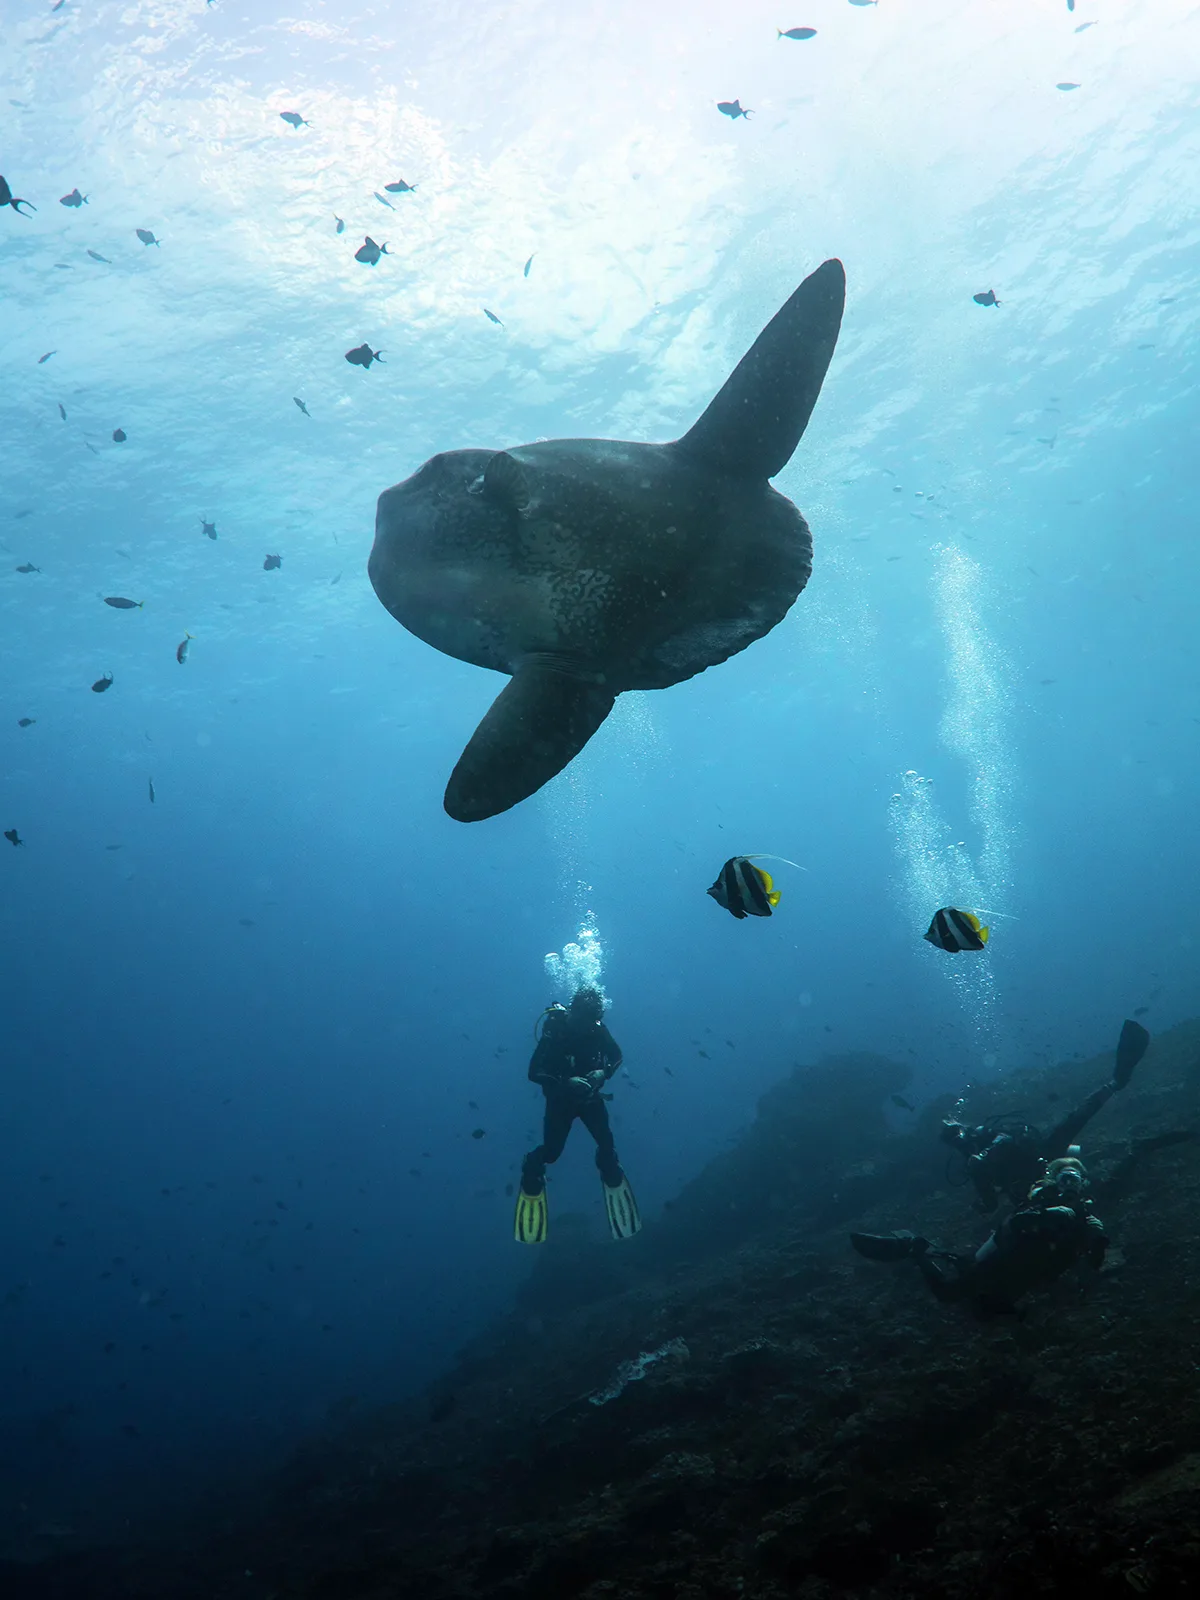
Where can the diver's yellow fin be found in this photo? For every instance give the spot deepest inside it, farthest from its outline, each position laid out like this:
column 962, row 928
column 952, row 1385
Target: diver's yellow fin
column 532, row 1217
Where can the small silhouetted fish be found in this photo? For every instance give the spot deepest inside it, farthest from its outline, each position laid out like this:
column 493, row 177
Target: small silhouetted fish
column 7, row 198
column 146, row 236
column 796, row 33
column 363, row 356
column 74, row 199
column 181, row 649
column 732, row 108
column 43, row 359
column 26, row 722
column 528, row 264
column 62, row 411
column 383, row 200
column 96, row 256
column 399, row 187
column 899, row 1100
column 101, row 684
column 119, row 436
column 369, row 252
column 987, row 298
column 272, row 563
column 13, row 837
column 294, row 118
column 28, row 566
column 119, row 603
column 208, row 528
column 245, row 922
column 112, row 846
column 492, row 317
column 341, row 226
column 471, row 1105
column 1066, row 86
column 1141, row 1011
column 300, row 403
column 151, row 783
column 1084, row 26
column 478, row 1133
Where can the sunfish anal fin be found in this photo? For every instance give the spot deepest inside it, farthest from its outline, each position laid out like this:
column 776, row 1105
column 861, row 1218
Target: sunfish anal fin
column 538, row 723
column 755, row 421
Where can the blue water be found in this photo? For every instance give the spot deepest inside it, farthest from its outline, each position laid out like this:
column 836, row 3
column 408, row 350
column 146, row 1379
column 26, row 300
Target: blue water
column 242, row 1023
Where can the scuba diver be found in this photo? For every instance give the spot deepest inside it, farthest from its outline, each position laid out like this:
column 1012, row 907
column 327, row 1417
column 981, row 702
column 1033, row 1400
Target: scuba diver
column 574, row 1058
column 1004, row 1156
column 1052, row 1230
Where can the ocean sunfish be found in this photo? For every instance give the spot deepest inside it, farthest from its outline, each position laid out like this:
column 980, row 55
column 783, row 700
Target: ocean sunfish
column 585, row 567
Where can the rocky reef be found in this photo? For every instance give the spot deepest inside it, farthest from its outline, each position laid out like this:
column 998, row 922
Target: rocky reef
column 734, row 1404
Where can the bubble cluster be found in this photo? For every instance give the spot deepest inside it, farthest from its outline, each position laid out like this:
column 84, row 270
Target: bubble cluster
column 937, row 868
column 580, row 963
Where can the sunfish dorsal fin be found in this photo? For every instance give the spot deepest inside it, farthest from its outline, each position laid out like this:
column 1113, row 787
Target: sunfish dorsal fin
column 756, row 420
column 541, row 720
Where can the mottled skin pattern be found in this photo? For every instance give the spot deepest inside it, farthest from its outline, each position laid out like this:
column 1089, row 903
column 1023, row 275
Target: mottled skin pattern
column 630, row 562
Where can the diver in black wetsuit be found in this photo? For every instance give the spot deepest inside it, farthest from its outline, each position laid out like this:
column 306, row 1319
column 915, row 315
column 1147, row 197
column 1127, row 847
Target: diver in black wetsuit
column 1054, row 1229
column 1009, row 1159
column 575, row 1057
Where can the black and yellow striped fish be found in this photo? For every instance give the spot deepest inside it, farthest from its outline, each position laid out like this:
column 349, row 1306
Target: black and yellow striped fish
column 744, row 889
column 955, row 930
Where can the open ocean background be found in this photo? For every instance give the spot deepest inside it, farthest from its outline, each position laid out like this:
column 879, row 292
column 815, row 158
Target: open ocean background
column 240, row 1026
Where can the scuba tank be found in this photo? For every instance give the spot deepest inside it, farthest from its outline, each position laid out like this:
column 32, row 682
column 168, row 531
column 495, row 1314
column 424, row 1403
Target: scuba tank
column 550, row 1019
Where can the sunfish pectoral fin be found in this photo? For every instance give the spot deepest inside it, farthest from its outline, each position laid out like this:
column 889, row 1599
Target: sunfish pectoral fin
column 538, row 723
column 756, row 420
column 506, row 483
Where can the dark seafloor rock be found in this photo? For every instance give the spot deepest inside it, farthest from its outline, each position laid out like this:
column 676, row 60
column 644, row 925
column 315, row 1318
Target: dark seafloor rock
column 815, row 1425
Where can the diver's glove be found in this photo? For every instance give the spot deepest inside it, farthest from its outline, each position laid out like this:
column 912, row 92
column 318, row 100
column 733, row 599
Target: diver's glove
column 579, row 1089
column 596, row 1079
